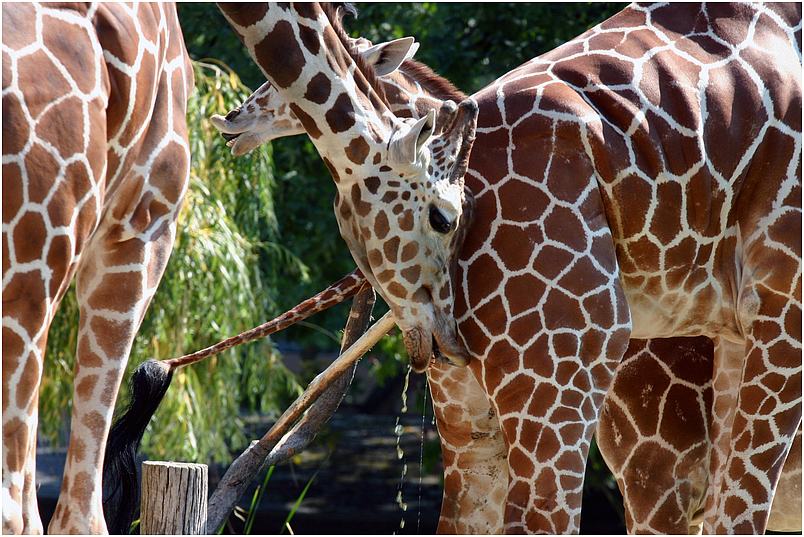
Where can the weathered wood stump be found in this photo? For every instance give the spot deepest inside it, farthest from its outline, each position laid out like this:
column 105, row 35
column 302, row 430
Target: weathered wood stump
column 174, row 498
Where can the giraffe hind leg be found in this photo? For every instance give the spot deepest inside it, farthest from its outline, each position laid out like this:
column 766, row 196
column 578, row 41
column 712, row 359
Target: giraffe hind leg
column 116, row 280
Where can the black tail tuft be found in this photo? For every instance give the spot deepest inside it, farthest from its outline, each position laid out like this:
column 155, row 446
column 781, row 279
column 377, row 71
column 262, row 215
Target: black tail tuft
column 121, row 485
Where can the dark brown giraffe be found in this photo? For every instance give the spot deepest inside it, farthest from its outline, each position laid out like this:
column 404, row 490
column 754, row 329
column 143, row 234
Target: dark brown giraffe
column 627, row 140
column 508, row 286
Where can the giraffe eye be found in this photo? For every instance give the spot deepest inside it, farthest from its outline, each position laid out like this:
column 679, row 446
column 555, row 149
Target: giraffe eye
column 438, row 221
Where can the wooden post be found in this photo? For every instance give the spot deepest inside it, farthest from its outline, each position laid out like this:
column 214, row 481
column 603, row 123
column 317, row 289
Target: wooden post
column 174, row 498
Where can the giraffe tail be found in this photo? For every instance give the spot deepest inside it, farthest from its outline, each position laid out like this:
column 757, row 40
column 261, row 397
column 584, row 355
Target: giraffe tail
column 121, row 496
column 150, row 382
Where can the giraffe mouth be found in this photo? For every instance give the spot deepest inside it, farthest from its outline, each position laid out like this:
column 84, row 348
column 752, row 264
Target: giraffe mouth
column 230, row 138
column 439, row 356
column 424, row 349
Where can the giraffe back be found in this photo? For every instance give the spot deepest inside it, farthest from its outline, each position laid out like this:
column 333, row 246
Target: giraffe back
column 687, row 116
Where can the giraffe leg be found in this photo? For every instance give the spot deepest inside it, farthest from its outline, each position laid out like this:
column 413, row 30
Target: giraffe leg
column 654, row 435
column 547, row 425
column 785, row 515
column 31, row 295
column 109, row 321
column 23, row 356
column 31, row 522
column 117, row 277
column 473, row 450
column 22, row 366
column 766, row 418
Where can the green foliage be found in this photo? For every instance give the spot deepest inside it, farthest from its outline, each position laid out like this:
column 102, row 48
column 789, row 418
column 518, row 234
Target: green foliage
column 490, row 38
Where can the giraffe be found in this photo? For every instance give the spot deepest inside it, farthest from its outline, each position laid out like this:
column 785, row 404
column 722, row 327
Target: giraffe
column 588, row 118
column 95, row 167
column 400, row 195
column 481, row 427
column 400, row 202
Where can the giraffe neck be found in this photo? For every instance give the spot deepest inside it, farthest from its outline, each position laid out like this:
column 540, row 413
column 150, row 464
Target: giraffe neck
column 321, row 79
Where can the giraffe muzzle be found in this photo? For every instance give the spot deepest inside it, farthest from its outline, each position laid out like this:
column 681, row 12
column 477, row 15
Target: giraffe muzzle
column 424, row 347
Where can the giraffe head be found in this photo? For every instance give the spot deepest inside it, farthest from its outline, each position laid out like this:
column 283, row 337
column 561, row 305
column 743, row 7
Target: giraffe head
column 405, row 222
column 265, row 116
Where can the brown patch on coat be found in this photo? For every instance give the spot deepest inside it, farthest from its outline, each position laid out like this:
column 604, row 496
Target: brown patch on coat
column 306, row 120
column 357, row 150
column 341, row 117
column 81, row 491
column 411, row 274
column 245, row 14
column 310, row 39
column 280, row 55
column 405, row 220
column 381, row 226
column 318, row 89
column 86, row 387
column 409, row 251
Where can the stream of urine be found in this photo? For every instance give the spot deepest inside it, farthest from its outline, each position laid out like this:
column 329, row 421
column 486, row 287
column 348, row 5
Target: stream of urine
column 399, row 453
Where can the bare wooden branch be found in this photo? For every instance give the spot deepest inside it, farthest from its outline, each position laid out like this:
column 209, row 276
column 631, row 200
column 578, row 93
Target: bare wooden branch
column 246, row 466
column 320, row 413
column 174, row 498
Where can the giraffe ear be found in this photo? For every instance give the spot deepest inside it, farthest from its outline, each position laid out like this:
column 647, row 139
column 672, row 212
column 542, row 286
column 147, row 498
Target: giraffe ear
column 405, row 148
column 387, row 57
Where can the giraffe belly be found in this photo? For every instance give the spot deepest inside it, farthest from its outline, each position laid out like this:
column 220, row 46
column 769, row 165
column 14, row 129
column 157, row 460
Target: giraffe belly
column 676, row 313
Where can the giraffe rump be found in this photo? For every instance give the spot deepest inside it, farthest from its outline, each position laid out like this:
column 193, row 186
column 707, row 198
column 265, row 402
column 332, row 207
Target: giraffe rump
column 148, row 386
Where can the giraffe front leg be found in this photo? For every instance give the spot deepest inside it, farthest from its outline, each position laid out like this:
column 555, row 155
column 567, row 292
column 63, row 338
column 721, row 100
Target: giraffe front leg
column 473, row 450
column 548, row 411
column 765, row 423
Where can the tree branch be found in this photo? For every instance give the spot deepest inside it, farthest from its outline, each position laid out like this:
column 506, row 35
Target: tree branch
column 326, row 391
